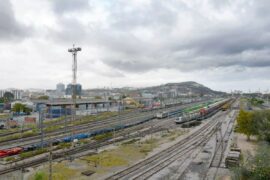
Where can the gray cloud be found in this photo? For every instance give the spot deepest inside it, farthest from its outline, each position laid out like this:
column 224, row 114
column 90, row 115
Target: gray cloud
column 157, row 14
column 213, row 46
column 66, row 6
column 132, row 38
column 10, row 28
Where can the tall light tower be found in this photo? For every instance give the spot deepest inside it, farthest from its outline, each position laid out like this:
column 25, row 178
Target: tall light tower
column 74, row 51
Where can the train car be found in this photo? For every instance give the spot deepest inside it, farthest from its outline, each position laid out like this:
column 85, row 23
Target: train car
column 10, row 152
column 3, row 153
column 227, row 105
column 56, row 142
column 81, row 136
column 17, row 150
column 187, row 117
column 161, row 115
column 207, row 111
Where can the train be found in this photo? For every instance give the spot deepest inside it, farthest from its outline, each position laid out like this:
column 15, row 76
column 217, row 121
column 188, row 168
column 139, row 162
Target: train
column 202, row 113
column 161, row 115
column 18, row 150
column 10, row 152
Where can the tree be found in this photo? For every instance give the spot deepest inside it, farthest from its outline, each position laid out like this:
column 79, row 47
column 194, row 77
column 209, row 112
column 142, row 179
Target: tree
column 8, row 96
column 18, row 107
column 246, row 124
column 262, row 119
column 43, row 97
column 98, row 97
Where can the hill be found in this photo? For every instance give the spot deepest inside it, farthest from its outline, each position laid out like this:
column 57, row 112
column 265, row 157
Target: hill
column 189, row 87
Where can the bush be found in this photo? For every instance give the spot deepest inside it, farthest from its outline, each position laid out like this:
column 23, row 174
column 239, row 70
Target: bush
column 40, row 176
column 257, row 167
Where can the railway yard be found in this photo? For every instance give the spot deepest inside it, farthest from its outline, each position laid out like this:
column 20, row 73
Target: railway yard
column 132, row 145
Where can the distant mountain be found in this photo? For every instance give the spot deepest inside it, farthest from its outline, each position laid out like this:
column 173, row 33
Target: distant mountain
column 189, row 87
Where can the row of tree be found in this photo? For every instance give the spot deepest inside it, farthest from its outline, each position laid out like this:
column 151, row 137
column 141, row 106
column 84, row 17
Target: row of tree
column 254, row 123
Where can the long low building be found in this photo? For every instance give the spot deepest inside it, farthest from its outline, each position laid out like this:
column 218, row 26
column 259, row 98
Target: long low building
column 58, row 107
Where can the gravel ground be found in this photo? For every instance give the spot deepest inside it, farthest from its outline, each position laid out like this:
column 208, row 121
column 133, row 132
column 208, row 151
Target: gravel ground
column 196, row 167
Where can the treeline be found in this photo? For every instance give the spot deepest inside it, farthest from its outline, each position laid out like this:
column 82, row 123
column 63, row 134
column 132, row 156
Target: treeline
column 254, row 123
column 256, row 102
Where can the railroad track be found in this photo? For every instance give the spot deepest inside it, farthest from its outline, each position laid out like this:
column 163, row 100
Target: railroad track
column 222, row 142
column 221, row 146
column 91, row 126
column 90, row 146
column 79, row 129
column 155, row 163
column 110, row 119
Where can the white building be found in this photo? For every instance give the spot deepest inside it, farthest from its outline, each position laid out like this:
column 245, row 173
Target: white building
column 60, row 87
column 16, row 92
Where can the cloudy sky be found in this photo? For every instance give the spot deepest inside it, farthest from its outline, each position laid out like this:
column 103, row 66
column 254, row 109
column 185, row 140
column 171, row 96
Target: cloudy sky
column 223, row 44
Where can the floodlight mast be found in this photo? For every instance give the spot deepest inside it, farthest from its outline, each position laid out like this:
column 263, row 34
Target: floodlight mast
column 74, row 65
column 74, row 51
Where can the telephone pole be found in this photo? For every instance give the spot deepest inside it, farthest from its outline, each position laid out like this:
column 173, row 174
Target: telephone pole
column 74, row 51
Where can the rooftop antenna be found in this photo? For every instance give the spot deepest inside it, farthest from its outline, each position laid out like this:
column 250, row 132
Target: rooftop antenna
column 74, row 51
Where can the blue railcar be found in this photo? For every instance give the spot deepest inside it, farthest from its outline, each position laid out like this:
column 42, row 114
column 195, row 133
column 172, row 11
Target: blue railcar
column 29, row 148
column 81, row 136
column 56, row 142
column 67, row 139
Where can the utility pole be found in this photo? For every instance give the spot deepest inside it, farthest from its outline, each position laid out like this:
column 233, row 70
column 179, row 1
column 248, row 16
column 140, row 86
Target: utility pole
column 267, row 96
column 65, row 120
column 74, row 51
column 50, row 160
column 41, row 117
column 22, row 126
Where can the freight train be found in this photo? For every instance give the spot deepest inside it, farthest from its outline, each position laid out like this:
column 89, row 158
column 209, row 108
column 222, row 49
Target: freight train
column 18, row 150
column 10, row 152
column 202, row 113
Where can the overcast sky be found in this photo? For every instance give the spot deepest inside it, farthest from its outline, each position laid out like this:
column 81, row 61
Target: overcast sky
column 223, row 44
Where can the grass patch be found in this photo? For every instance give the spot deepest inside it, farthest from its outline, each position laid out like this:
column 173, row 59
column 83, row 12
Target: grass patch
column 8, row 159
column 19, row 135
column 132, row 141
column 4, row 116
column 103, row 136
column 41, row 176
column 60, row 172
column 55, row 120
column 106, row 159
column 63, row 145
column 122, row 156
column 32, row 153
